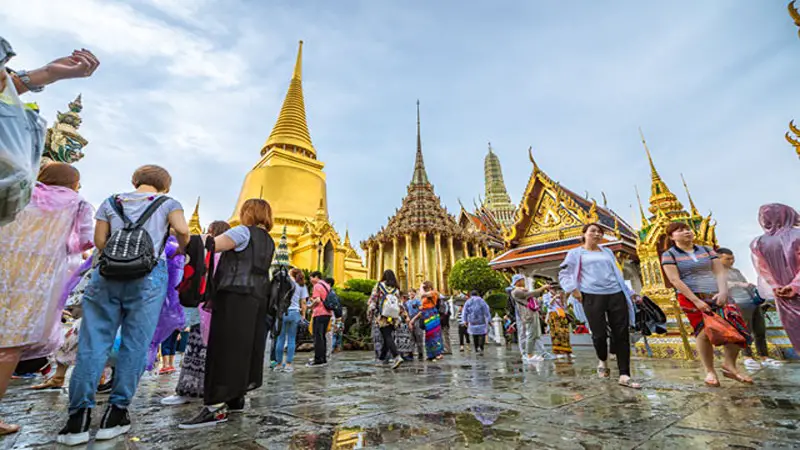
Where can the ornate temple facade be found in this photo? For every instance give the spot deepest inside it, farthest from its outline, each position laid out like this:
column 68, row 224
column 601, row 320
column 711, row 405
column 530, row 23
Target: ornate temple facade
column 548, row 224
column 421, row 241
column 289, row 176
column 497, row 201
column 63, row 142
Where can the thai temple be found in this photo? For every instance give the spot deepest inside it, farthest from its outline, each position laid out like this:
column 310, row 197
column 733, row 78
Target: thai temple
column 548, row 224
column 421, row 241
column 290, row 177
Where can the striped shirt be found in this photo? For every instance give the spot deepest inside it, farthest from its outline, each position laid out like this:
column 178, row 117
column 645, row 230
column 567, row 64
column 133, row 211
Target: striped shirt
column 695, row 268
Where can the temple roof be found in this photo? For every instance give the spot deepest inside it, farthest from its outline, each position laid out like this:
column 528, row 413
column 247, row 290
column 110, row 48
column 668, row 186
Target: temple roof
column 553, row 251
column 497, row 198
column 661, row 198
column 422, row 210
column 291, row 129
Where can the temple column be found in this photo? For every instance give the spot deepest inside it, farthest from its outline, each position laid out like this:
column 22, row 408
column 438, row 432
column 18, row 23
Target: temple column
column 423, row 254
column 369, row 260
column 379, row 263
column 465, row 248
column 451, row 250
column 410, row 269
column 437, row 242
column 394, row 255
column 476, row 249
column 486, row 250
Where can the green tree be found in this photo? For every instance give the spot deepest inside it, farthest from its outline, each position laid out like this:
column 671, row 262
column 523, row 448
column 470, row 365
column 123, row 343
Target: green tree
column 475, row 274
column 497, row 303
column 360, row 285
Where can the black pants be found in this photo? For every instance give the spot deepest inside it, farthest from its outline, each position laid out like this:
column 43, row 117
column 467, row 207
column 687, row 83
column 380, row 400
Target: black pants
column 320, row 326
column 389, row 348
column 754, row 317
column 478, row 340
column 610, row 311
column 463, row 335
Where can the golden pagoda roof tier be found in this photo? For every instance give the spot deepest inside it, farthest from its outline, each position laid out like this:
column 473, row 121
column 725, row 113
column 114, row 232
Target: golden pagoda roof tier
column 661, row 198
column 291, row 129
column 550, row 212
column 194, row 221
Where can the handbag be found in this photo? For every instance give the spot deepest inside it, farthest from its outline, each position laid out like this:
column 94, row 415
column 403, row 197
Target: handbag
column 533, row 305
column 758, row 300
column 720, row 332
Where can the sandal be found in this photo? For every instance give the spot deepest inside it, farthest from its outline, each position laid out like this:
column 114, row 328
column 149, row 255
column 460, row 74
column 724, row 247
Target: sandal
column 630, row 384
column 7, row 428
column 736, row 376
column 603, row 372
column 714, row 382
column 52, row 383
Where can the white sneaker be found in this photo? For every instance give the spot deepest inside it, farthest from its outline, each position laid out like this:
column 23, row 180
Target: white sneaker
column 535, row 358
column 174, row 400
column 547, row 357
column 751, row 363
column 773, row 363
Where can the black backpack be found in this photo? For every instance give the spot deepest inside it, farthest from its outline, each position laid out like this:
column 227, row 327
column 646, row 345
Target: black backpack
column 333, row 304
column 197, row 284
column 280, row 298
column 129, row 253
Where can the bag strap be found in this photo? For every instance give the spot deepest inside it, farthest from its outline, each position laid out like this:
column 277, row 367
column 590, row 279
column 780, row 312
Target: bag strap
column 151, row 209
column 117, row 208
column 210, row 247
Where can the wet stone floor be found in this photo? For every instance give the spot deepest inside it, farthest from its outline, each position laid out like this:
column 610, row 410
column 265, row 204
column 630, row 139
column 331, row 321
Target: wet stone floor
column 492, row 401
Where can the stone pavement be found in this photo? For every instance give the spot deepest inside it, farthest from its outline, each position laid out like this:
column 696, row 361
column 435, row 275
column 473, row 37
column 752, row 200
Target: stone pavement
column 481, row 402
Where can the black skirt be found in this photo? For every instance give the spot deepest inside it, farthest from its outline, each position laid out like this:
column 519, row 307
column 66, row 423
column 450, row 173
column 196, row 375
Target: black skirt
column 236, row 344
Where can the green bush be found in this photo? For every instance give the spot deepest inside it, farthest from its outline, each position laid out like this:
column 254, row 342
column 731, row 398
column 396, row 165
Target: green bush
column 475, row 274
column 360, row 285
column 497, row 303
column 355, row 302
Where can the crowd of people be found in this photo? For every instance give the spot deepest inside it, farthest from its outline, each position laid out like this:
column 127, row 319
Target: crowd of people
column 109, row 275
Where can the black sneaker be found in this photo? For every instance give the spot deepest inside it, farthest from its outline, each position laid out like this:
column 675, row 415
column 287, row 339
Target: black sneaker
column 206, row 418
column 235, row 406
column 313, row 364
column 105, row 388
column 116, row 421
column 76, row 431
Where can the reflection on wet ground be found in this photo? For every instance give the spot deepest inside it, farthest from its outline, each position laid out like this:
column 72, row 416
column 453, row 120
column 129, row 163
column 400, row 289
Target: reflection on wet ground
column 488, row 402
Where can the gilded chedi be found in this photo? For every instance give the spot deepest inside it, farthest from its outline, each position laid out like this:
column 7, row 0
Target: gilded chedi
column 421, row 241
column 290, row 177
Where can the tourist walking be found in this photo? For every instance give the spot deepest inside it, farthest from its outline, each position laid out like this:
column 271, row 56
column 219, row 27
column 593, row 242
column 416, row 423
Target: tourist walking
column 403, row 336
column 193, row 365
column 39, row 251
column 444, row 315
column 700, row 282
column 238, row 335
column 118, row 296
column 527, row 307
column 290, row 322
column 434, row 346
column 775, row 259
column 744, row 295
column 476, row 316
column 387, row 313
column 591, row 274
column 558, row 321
column 463, row 336
column 320, row 319
column 414, row 310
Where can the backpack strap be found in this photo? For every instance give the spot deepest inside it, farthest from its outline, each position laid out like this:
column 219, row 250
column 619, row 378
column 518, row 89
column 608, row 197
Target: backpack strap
column 151, row 209
column 113, row 201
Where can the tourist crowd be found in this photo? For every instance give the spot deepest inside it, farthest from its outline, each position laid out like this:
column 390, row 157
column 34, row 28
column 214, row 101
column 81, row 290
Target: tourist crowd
column 126, row 275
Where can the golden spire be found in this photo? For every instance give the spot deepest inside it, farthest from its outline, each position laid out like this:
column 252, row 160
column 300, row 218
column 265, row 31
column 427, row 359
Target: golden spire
column 661, row 198
column 420, row 176
column 194, row 222
column 645, row 222
column 695, row 213
column 322, row 215
column 347, row 238
column 291, row 130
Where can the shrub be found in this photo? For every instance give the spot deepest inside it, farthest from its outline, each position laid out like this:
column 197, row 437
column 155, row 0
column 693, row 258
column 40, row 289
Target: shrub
column 497, row 303
column 475, row 274
column 360, row 285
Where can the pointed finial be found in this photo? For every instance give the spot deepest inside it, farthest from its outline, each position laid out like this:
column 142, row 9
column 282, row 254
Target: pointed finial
column 695, row 212
column 298, row 65
column 593, row 210
column 653, row 172
column 420, row 176
column 533, row 161
column 605, row 200
column 461, row 204
column 490, row 147
column 641, row 209
column 795, row 15
column 76, row 105
column 194, row 221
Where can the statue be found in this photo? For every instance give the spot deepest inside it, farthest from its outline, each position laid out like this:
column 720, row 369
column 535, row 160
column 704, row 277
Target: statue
column 63, row 143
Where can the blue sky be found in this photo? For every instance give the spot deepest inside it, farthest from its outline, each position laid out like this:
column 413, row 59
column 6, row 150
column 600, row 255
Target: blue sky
column 196, row 85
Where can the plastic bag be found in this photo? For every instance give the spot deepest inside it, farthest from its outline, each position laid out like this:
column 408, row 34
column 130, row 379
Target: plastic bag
column 21, row 144
column 720, row 332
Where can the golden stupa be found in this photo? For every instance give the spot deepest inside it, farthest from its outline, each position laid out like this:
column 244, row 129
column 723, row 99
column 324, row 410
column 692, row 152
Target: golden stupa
column 290, row 177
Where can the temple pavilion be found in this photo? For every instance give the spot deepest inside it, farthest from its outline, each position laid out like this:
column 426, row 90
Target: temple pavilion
column 289, row 176
column 548, row 224
column 421, row 241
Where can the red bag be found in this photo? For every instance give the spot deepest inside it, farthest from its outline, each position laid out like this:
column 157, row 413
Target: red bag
column 720, row 332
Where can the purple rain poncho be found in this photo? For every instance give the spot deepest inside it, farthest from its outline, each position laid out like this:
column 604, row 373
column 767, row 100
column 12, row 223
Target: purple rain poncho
column 172, row 317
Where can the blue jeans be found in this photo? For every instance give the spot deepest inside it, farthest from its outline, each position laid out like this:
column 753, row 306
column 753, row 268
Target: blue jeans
column 107, row 305
column 288, row 329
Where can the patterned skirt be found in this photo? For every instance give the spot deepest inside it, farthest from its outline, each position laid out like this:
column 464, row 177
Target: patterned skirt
column 192, row 377
column 377, row 339
column 559, row 334
column 434, row 345
column 403, row 339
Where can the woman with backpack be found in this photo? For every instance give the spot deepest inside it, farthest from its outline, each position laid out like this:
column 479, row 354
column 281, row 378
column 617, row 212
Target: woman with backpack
column 386, row 312
column 38, row 253
column 291, row 321
column 193, row 366
column 238, row 339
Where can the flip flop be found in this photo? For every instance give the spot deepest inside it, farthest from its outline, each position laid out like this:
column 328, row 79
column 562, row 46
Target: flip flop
column 630, row 384
column 714, row 383
column 603, row 372
column 736, row 376
column 7, row 428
